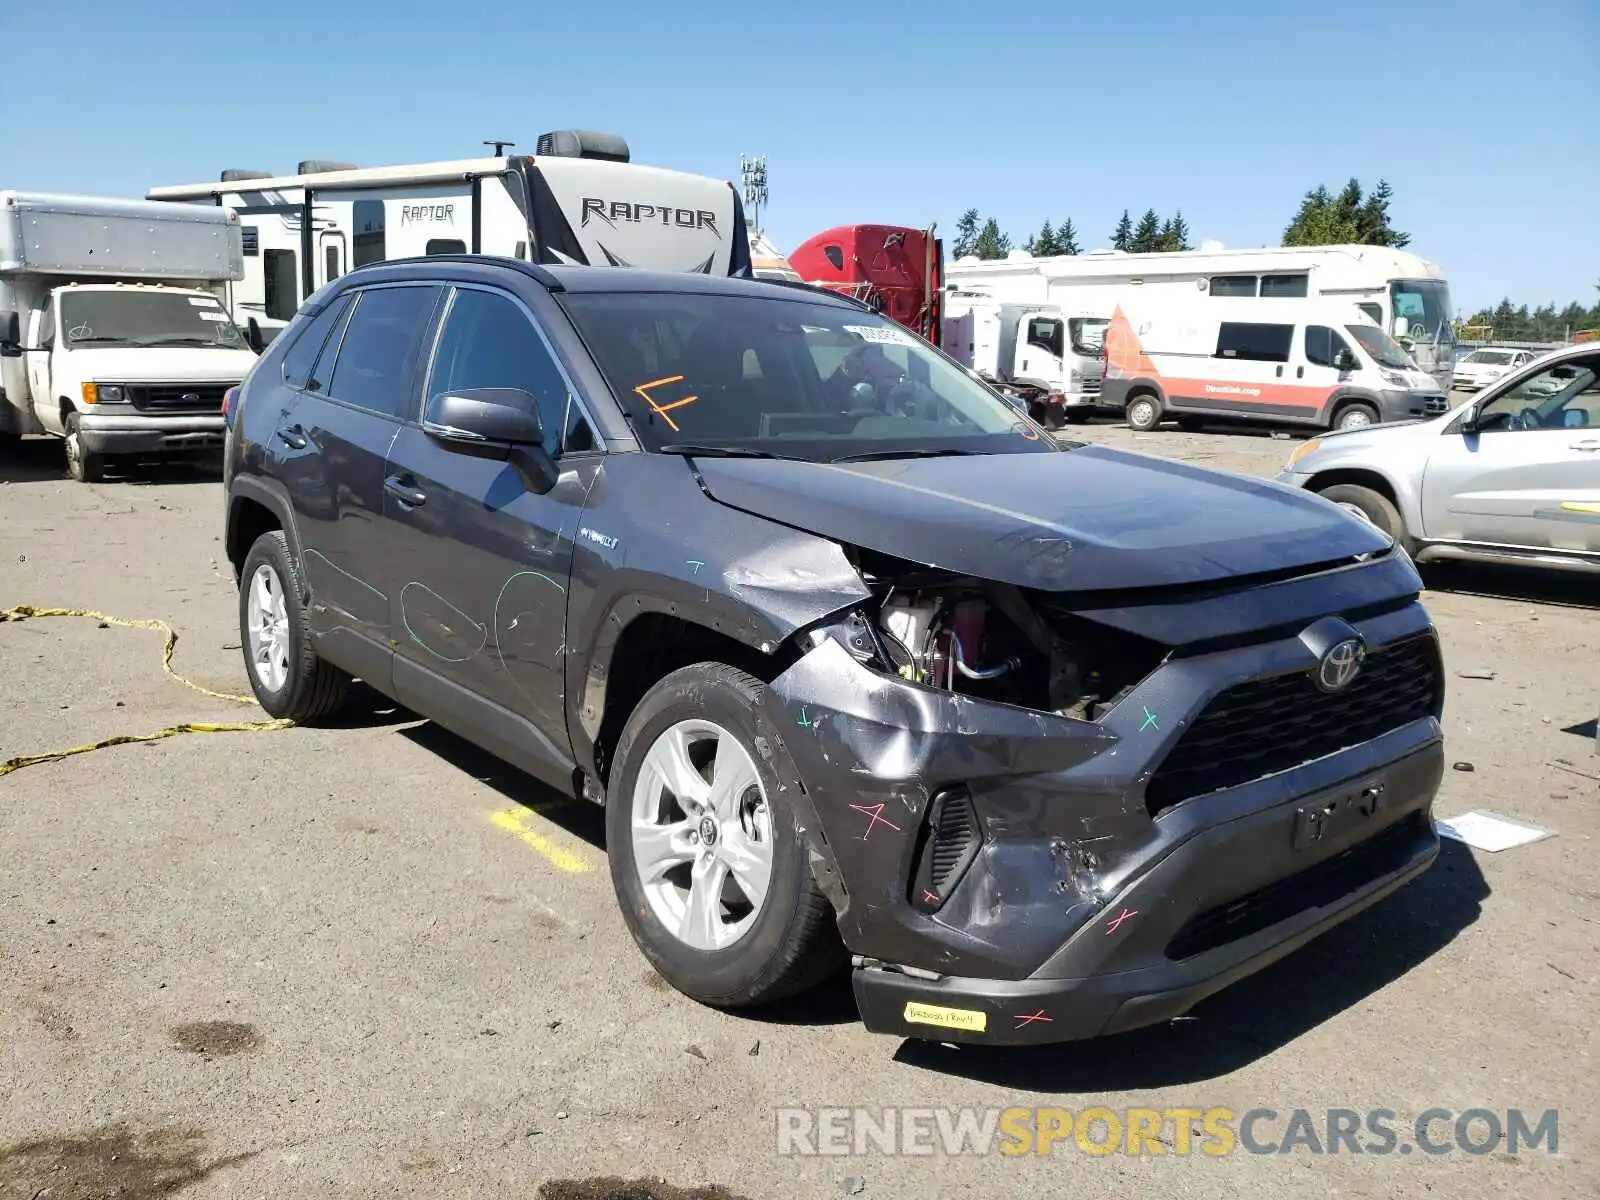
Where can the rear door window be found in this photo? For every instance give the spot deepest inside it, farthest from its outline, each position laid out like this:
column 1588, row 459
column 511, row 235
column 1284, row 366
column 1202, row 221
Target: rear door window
column 375, row 367
column 1254, row 342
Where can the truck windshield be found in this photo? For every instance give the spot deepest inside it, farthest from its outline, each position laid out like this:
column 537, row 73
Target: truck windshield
column 1383, row 348
column 1425, row 304
column 138, row 317
column 1088, row 335
column 787, row 378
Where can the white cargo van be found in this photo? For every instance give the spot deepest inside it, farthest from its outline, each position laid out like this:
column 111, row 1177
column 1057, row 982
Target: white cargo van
column 114, row 325
column 1323, row 363
column 1035, row 352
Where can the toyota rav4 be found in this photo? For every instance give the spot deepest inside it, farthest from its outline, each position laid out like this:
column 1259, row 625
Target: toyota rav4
column 1052, row 739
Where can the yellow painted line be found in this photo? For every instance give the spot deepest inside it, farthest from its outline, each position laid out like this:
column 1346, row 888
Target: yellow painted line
column 559, row 857
column 1581, row 507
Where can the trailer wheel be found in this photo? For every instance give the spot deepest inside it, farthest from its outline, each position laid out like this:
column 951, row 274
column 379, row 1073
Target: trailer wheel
column 1143, row 412
column 85, row 466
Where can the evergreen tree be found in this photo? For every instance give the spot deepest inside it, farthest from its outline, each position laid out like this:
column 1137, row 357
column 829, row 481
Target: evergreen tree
column 1175, row 233
column 1147, row 233
column 1043, row 243
column 1067, row 238
column 991, row 242
column 1350, row 217
column 966, row 239
column 1122, row 239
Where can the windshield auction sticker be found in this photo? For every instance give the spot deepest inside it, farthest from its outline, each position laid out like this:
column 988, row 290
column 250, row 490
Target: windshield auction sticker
column 886, row 335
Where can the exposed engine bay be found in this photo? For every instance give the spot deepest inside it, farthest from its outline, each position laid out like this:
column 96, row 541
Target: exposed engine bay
column 991, row 641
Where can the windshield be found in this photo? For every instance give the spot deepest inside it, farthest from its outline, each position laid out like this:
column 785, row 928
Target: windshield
column 1425, row 304
column 1498, row 358
column 138, row 317
column 1088, row 335
column 1383, row 348
column 787, row 377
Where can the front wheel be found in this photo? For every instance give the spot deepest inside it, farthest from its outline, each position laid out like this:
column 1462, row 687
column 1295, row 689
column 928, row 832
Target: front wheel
column 708, row 865
column 85, row 466
column 1357, row 416
column 1143, row 413
column 1374, row 508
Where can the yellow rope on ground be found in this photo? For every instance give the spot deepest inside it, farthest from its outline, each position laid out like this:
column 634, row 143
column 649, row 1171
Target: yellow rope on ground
column 24, row 612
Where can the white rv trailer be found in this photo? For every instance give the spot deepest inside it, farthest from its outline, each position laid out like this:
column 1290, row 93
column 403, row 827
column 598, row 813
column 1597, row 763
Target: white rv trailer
column 579, row 200
column 1405, row 294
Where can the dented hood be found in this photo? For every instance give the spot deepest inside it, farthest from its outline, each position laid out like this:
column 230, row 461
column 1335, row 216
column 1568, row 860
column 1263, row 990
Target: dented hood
column 1092, row 518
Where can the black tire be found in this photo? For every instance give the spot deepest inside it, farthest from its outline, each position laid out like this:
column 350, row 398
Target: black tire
column 1143, row 411
column 82, row 465
column 1190, row 424
column 1077, row 416
column 1054, row 418
column 1375, row 507
column 313, row 689
column 794, row 941
column 1358, row 416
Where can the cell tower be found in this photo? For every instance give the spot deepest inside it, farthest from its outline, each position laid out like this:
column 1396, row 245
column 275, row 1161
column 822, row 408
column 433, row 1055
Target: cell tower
column 754, row 173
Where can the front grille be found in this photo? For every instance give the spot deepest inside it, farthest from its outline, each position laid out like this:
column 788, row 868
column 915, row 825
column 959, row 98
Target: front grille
column 1270, row 725
column 1436, row 405
column 1319, row 886
column 1092, row 385
column 177, row 397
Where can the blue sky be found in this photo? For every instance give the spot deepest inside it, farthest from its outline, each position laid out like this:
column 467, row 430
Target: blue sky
column 1480, row 115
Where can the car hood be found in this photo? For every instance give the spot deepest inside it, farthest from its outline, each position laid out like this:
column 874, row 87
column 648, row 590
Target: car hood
column 1092, row 518
column 162, row 364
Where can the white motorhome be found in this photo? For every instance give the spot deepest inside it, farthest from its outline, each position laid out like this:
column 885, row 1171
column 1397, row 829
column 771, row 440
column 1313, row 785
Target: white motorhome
column 114, row 325
column 1324, row 363
column 1405, row 294
column 578, row 200
column 1048, row 360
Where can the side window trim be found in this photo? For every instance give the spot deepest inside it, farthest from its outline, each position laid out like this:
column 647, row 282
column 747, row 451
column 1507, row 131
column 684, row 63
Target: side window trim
column 331, row 345
column 341, row 303
column 573, row 395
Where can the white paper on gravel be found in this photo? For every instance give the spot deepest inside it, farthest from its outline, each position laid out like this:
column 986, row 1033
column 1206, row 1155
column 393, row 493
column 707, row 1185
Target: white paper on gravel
column 1487, row 832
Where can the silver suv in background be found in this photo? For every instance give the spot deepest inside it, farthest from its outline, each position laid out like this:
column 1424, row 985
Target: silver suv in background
column 1511, row 476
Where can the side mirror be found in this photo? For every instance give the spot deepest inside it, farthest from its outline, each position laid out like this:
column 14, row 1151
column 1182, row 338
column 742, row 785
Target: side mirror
column 252, row 336
column 499, row 424
column 1469, row 420
column 1344, row 360
column 10, row 333
column 1400, row 327
column 1574, row 418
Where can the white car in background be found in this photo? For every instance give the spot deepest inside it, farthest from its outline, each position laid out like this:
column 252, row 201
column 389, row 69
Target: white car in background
column 1512, row 475
column 1486, row 364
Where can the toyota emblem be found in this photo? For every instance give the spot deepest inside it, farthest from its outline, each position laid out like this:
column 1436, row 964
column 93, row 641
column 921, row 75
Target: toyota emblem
column 1340, row 665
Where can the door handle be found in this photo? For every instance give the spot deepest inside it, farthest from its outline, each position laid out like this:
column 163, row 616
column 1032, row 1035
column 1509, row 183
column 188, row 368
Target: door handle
column 294, row 437
column 1299, row 372
column 1279, row 372
column 403, row 488
column 1590, row 445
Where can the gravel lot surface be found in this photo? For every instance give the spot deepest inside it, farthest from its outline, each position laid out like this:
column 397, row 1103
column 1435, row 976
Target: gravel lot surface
column 369, row 960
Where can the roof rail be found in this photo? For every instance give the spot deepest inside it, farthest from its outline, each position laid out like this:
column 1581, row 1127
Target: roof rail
column 824, row 290
column 533, row 270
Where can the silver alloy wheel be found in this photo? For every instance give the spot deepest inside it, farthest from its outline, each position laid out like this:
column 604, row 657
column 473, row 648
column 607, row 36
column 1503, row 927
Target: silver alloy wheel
column 702, row 835
column 1356, row 418
column 268, row 629
column 1142, row 413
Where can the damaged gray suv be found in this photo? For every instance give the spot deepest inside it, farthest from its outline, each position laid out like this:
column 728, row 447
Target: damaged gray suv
column 1046, row 740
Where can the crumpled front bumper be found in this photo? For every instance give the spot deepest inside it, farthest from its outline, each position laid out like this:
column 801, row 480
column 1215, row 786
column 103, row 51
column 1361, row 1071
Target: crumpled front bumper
column 1080, row 910
column 135, row 433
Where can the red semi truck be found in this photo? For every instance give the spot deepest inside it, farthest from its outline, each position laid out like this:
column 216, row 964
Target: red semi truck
column 897, row 270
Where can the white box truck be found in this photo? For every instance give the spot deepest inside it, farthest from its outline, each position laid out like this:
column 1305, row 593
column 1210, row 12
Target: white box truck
column 115, row 331
column 1050, row 362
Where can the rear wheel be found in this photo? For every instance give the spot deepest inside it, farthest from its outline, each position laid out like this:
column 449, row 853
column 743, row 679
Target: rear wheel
column 709, row 868
column 1356, row 416
column 1373, row 507
column 83, row 465
column 288, row 676
column 1143, row 412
